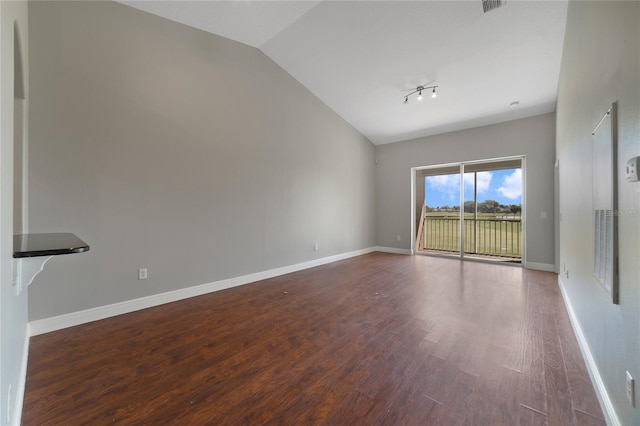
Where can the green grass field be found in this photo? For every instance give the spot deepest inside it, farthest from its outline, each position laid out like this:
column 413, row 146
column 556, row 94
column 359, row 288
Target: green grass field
column 494, row 234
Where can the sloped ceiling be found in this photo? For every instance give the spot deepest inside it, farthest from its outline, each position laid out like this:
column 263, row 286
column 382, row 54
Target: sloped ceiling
column 362, row 57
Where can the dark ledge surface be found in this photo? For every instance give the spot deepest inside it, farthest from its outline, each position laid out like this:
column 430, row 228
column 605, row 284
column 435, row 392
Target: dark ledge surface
column 33, row 245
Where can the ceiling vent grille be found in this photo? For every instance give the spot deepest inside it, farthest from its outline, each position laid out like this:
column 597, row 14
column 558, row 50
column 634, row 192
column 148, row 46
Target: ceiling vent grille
column 489, row 5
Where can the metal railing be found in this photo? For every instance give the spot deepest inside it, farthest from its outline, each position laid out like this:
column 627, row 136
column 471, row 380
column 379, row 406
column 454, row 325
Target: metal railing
column 484, row 236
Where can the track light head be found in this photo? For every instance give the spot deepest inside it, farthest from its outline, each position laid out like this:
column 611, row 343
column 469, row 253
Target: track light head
column 419, row 95
column 433, row 94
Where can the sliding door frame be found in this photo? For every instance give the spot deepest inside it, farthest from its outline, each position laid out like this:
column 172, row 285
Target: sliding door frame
column 461, row 165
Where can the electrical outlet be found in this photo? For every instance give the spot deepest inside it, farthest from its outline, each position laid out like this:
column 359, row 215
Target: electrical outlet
column 543, row 215
column 315, row 247
column 399, row 238
column 142, row 274
column 631, row 391
column 632, row 169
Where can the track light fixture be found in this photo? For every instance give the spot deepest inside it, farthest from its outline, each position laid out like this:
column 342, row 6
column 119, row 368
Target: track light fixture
column 419, row 90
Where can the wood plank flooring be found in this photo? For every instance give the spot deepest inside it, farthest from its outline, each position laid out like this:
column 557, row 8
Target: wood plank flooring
column 379, row 339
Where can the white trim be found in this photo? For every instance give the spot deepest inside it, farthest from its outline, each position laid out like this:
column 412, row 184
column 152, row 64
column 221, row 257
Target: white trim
column 460, row 213
column 413, row 231
column 541, row 266
column 601, row 391
column 59, row 322
column 392, row 250
column 462, row 164
column 523, row 212
column 22, row 380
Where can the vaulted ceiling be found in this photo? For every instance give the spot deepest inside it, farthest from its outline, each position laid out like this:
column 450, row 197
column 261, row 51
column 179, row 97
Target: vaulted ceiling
column 362, row 57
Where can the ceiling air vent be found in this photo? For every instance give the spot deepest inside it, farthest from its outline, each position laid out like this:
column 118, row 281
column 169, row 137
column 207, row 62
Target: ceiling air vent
column 489, row 5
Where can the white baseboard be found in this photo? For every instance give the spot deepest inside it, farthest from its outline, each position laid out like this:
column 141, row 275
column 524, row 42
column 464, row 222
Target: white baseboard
column 541, row 266
column 391, row 250
column 601, row 391
column 47, row 325
column 19, row 399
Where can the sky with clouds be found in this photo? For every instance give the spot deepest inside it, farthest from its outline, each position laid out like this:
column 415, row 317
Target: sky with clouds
column 504, row 186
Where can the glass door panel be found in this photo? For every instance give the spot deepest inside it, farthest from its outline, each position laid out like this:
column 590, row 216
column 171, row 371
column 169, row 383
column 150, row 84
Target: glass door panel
column 493, row 211
column 441, row 211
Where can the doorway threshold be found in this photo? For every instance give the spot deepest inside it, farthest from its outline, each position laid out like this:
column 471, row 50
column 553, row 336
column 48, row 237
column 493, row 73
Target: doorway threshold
column 473, row 258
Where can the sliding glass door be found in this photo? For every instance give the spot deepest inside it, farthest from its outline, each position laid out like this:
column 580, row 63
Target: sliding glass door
column 471, row 209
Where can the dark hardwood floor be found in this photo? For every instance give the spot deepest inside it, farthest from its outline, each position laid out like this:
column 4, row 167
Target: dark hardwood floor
column 378, row 339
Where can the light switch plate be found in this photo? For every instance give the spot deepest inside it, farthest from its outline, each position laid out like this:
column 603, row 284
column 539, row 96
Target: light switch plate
column 631, row 391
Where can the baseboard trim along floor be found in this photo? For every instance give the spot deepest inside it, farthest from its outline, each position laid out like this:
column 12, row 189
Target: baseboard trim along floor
column 601, row 391
column 60, row 322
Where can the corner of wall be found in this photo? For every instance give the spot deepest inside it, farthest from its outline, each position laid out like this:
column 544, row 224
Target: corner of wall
column 14, row 332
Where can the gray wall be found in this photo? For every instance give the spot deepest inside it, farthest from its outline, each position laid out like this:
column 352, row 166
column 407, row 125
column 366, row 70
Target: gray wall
column 533, row 137
column 601, row 65
column 169, row 148
column 13, row 308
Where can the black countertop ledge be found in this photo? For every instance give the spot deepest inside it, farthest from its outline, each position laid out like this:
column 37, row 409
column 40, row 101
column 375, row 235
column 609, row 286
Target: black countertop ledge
column 34, row 245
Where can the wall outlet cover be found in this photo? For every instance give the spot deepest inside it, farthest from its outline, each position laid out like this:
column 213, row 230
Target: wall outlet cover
column 632, row 169
column 142, row 274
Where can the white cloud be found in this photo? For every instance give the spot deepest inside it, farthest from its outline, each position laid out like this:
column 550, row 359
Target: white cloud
column 484, row 181
column 446, row 184
column 449, row 185
column 512, row 185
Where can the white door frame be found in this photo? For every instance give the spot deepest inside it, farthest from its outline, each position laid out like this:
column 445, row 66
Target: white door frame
column 461, row 164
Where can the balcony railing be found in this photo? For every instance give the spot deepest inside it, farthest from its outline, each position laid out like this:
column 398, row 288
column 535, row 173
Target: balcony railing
column 496, row 236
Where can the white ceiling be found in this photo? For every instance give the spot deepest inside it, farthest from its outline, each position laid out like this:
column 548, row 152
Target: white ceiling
column 361, row 57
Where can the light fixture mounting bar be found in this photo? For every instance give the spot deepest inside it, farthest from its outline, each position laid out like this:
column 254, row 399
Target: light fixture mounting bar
column 419, row 90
